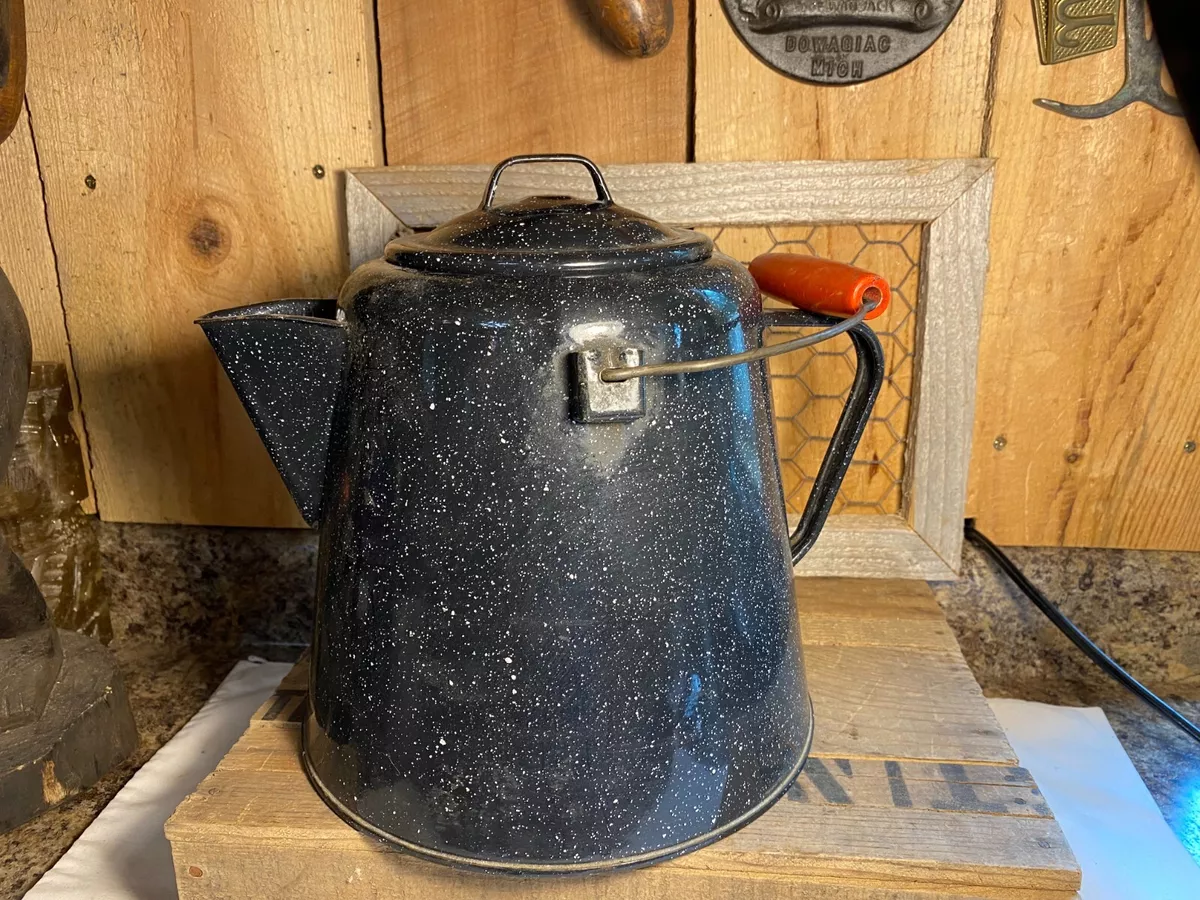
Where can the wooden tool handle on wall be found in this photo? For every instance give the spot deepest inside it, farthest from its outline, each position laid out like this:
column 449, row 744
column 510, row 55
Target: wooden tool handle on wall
column 635, row 27
column 12, row 64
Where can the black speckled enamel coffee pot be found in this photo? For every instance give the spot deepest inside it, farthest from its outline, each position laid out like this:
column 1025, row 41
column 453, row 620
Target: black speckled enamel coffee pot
column 554, row 627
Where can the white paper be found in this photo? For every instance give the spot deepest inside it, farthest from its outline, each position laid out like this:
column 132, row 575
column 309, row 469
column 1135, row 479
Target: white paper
column 1124, row 847
column 123, row 854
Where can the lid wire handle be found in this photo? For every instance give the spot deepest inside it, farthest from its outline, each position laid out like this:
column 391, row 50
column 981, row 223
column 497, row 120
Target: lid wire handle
column 602, row 193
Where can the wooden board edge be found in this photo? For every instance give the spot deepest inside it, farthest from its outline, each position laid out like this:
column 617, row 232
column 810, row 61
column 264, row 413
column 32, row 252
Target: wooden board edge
column 369, row 223
column 953, row 275
column 204, row 871
column 899, row 599
column 894, row 876
column 825, row 630
column 729, row 193
column 867, row 546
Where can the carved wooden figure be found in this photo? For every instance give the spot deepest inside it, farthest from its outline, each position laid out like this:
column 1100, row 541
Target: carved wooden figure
column 64, row 716
column 26, row 635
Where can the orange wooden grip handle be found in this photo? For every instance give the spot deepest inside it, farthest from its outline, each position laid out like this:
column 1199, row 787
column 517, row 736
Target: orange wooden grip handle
column 819, row 285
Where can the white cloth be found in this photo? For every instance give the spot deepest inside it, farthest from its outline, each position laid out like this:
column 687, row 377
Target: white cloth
column 1125, row 849
column 123, row 854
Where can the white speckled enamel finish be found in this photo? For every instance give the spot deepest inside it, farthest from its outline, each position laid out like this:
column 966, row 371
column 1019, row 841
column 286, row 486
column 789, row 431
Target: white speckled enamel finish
column 542, row 644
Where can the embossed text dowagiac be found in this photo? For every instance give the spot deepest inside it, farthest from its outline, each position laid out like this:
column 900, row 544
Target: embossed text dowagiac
column 839, row 41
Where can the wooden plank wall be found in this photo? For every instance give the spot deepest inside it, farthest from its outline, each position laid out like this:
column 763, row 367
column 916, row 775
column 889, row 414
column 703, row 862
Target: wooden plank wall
column 201, row 123
column 465, row 81
column 1082, row 369
column 177, row 143
column 1089, row 350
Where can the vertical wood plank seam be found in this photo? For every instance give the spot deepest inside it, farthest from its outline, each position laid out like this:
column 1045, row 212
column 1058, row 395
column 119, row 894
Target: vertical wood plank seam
column 91, row 503
column 689, row 150
column 380, row 112
column 989, row 91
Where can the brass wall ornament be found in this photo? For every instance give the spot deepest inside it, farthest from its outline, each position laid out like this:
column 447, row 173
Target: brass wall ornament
column 1069, row 29
column 839, row 41
column 1084, row 26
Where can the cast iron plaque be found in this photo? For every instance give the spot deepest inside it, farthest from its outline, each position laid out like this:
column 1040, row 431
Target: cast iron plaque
column 839, row 41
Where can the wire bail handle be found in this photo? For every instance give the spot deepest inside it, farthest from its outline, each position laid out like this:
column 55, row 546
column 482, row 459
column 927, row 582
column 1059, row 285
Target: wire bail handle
column 602, row 192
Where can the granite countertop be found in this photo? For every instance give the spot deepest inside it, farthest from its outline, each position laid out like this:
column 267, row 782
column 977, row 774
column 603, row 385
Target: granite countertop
column 1141, row 607
column 187, row 603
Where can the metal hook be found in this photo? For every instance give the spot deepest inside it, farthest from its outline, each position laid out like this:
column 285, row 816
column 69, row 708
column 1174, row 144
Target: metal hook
column 1143, row 75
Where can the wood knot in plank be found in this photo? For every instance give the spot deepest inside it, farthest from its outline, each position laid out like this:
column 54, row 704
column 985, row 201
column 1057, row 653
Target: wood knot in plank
column 209, row 239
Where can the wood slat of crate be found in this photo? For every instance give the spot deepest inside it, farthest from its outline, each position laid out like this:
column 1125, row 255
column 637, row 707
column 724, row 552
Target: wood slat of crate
column 912, row 793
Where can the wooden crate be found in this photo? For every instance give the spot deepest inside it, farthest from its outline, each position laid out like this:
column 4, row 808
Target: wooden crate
column 912, row 793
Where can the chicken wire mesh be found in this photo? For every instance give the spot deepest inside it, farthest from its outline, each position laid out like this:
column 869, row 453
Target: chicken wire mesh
column 810, row 387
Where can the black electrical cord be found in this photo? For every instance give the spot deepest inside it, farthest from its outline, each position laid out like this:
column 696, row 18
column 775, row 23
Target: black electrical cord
column 1071, row 630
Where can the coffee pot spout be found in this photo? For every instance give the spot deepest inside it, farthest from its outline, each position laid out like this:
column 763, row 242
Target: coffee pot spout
column 285, row 360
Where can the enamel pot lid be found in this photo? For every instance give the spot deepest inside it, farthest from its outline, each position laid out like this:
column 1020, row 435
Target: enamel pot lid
column 549, row 235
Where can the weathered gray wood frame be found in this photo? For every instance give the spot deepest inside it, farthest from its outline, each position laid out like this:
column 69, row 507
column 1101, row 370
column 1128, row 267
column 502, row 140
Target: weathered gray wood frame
column 950, row 198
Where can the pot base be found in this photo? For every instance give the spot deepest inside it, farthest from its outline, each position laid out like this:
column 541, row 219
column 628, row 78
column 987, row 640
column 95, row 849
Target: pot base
column 533, row 867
